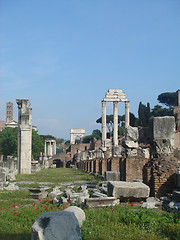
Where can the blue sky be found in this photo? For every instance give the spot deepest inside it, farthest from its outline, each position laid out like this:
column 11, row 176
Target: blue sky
column 64, row 55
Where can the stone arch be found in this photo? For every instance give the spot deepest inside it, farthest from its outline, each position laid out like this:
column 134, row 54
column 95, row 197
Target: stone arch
column 76, row 132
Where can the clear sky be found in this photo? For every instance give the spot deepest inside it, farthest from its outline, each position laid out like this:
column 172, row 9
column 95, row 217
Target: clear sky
column 64, row 55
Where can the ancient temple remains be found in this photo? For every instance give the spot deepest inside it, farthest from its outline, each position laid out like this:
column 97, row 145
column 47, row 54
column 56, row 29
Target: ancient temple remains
column 24, row 136
column 50, row 148
column 76, row 132
column 115, row 96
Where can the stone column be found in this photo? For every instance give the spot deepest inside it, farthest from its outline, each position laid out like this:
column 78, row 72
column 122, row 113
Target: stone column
column 126, row 114
column 115, row 123
column 24, row 136
column 45, row 153
column 54, row 153
column 50, row 149
column 103, row 123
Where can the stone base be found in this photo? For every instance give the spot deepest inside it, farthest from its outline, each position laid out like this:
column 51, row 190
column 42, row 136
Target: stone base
column 128, row 190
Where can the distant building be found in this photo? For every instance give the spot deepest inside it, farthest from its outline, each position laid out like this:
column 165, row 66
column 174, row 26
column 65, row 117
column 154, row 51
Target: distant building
column 10, row 122
column 2, row 125
column 9, row 112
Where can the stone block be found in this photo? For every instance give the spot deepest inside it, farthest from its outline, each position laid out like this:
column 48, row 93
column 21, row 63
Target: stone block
column 101, row 202
column 128, row 190
column 164, row 127
column 111, row 176
column 131, row 134
column 59, row 225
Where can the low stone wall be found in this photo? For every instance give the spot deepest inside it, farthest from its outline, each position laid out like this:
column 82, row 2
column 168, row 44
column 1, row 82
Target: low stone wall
column 130, row 168
column 158, row 173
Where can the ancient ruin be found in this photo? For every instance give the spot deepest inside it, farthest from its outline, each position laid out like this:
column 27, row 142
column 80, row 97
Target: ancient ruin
column 24, row 136
column 115, row 96
column 76, row 132
column 50, row 148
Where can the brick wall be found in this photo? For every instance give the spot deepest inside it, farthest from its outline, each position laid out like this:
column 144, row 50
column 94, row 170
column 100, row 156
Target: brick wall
column 134, row 168
column 159, row 175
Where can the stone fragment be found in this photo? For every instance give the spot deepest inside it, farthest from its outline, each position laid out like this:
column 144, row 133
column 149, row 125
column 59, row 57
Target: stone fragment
column 11, row 187
column 59, row 225
column 128, row 190
column 131, row 134
column 150, row 203
column 55, row 193
column 111, row 176
column 37, row 193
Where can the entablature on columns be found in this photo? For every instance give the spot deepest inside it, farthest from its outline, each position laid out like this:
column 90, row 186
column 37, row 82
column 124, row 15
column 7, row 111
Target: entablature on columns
column 115, row 95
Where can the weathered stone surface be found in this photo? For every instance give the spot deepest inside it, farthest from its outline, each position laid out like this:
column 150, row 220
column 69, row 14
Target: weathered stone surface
column 163, row 127
column 78, row 212
column 101, row 202
column 131, row 144
column 131, row 134
column 120, row 189
column 111, row 176
column 59, row 225
column 164, row 146
column 117, row 150
column 163, row 134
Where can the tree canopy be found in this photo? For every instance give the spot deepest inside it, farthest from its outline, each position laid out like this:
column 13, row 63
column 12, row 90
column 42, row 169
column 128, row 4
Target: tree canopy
column 144, row 114
column 95, row 134
column 159, row 111
column 9, row 141
column 168, row 98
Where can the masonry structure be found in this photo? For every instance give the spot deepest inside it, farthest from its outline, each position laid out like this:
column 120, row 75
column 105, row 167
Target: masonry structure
column 50, row 148
column 24, row 136
column 76, row 132
column 145, row 154
column 115, row 96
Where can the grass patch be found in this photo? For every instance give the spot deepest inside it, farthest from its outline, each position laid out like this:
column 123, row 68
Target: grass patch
column 130, row 223
column 57, row 175
column 126, row 223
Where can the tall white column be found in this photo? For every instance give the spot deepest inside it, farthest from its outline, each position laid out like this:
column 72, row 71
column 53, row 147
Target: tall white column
column 126, row 114
column 115, row 123
column 54, row 153
column 103, row 123
column 45, row 153
column 50, row 148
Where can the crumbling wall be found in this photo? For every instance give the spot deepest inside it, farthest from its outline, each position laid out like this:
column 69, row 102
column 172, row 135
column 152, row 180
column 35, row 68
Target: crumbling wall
column 134, row 168
column 160, row 175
